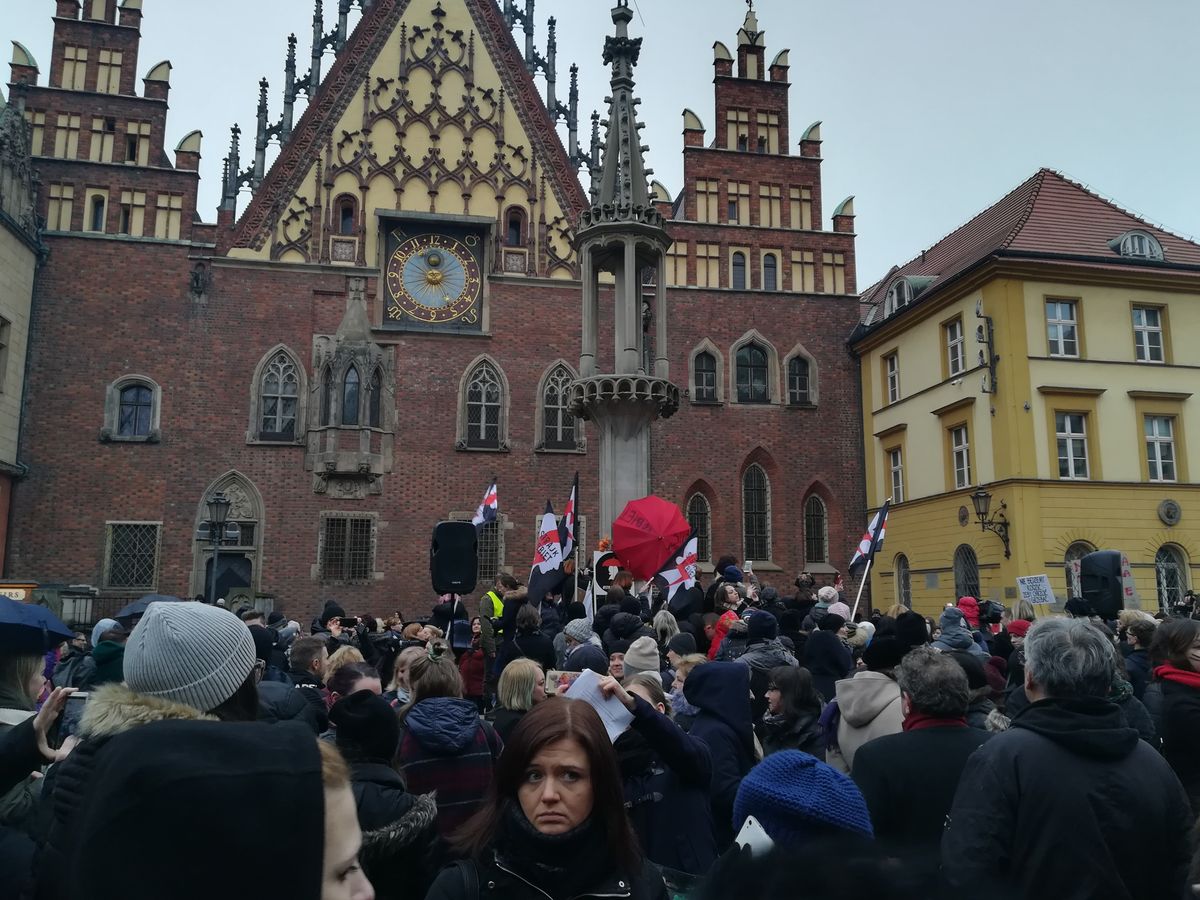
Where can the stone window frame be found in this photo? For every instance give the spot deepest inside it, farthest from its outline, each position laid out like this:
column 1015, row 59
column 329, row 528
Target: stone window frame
column 706, row 346
column 460, row 439
column 112, row 411
column 767, row 511
column 817, row 535
column 252, row 431
column 753, row 336
column 539, row 415
column 230, row 482
column 814, row 380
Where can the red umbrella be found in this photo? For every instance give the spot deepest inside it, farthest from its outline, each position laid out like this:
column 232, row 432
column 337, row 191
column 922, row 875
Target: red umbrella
column 646, row 533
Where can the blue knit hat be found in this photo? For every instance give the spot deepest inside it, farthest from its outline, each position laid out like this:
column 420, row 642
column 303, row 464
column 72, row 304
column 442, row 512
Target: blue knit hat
column 796, row 798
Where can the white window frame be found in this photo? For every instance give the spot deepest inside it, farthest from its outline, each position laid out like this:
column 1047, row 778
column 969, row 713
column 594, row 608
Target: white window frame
column 896, row 467
column 1056, row 326
column 1143, row 332
column 1067, row 439
column 892, row 366
column 960, row 456
column 1156, row 443
column 956, row 353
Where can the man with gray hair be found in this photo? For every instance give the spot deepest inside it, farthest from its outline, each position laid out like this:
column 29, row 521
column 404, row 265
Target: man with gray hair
column 908, row 779
column 1068, row 803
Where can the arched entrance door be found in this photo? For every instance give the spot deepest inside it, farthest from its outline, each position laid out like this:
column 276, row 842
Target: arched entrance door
column 237, row 567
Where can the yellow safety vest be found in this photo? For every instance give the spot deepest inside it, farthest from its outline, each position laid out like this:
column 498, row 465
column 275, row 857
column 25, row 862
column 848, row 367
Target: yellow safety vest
column 497, row 605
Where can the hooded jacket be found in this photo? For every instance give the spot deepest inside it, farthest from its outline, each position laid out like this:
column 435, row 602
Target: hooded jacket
column 762, row 656
column 177, row 792
column 721, row 693
column 110, row 711
column 444, row 747
column 802, row 733
column 827, row 658
column 586, row 656
column 869, row 704
column 1180, row 732
column 282, row 701
column 402, row 857
column 956, row 635
column 531, row 644
column 623, row 630
column 1068, row 781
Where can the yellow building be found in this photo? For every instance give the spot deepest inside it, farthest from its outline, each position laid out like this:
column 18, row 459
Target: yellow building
column 1041, row 355
column 20, row 252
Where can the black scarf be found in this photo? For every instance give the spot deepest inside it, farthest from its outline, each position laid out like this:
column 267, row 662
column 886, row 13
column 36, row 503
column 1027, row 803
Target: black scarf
column 563, row 865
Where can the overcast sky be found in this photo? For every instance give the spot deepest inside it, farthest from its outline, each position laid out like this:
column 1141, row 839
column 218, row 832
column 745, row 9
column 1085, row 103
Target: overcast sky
column 932, row 109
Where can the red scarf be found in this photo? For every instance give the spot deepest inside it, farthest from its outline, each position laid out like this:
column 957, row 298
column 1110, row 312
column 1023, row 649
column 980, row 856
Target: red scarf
column 1169, row 672
column 915, row 721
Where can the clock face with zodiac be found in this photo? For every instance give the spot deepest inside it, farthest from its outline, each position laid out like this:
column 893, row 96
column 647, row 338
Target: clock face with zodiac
column 434, row 279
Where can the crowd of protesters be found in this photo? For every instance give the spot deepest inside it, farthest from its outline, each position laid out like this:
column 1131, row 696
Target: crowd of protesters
column 776, row 746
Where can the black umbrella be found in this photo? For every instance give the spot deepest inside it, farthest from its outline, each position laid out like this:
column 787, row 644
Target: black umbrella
column 29, row 629
column 138, row 607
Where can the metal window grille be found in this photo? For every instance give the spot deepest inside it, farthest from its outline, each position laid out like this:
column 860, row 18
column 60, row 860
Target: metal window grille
column 756, row 528
column 347, row 548
column 966, row 572
column 489, row 545
column 699, row 516
column 1171, row 576
column 798, row 384
column 136, row 406
column 816, row 531
column 559, row 422
column 903, row 581
column 280, row 391
column 752, row 375
column 1075, row 552
column 484, row 398
column 706, row 378
column 132, row 555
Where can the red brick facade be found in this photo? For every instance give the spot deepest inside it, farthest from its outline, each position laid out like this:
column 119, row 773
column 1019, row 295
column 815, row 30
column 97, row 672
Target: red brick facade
column 197, row 326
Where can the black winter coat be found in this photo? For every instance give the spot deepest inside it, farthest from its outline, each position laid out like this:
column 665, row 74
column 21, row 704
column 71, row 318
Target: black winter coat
column 791, row 734
column 1138, row 665
column 530, row 644
column 1069, row 781
column 493, row 880
column 827, row 658
column 379, row 795
column 586, row 656
column 721, row 691
column 1180, row 733
column 909, row 779
column 280, row 701
column 667, row 776
column 402, row 858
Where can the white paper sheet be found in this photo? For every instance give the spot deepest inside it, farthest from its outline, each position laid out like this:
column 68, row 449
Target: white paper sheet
column 613, row 714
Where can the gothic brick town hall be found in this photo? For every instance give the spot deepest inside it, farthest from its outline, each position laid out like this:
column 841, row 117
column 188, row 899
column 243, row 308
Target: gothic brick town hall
column 387, row 316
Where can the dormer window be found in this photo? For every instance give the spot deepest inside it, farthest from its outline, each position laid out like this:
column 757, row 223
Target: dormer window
column 898, row 297
column 1137, row 245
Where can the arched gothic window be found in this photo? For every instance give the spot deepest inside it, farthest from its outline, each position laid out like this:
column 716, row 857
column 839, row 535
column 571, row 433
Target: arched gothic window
column 350, row 396
column 756, row 514
column 966, row 572
column 799, row 393
column 327, row 397
column 738, row 269
column 558, row 422
column 280, row 390
column 347, row 216
column 699, row 516
column 770, row 272
column 816, row 531
column 705, row 388
column 484, row 409
column 514, row 231
column 752, row 374
column 375, row 400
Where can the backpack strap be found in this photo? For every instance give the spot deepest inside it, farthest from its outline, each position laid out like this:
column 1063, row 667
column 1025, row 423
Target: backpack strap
column 470, row 878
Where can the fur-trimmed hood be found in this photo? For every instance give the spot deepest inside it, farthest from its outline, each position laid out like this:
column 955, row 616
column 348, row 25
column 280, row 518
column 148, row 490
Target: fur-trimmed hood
column 114, row 708
column 402, row 859
column 412, row 825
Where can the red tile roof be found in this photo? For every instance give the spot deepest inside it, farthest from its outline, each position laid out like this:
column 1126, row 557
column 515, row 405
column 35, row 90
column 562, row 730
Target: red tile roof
column 1048, row 213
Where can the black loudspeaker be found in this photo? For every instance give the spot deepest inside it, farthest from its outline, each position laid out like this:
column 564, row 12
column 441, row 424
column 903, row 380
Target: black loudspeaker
column 454, row 558
column 1100, row 576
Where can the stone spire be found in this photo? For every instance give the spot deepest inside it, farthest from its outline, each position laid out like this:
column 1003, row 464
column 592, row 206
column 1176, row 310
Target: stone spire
column 622, row 190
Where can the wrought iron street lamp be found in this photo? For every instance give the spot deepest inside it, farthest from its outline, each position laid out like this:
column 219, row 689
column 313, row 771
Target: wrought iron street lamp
column 218, row 513
column 997, row 523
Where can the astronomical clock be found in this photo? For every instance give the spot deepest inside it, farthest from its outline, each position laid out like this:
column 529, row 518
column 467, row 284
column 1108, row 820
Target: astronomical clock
column 433, row 277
